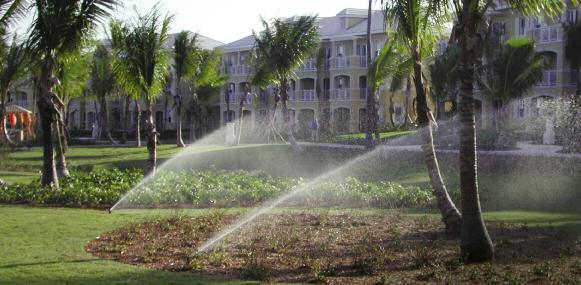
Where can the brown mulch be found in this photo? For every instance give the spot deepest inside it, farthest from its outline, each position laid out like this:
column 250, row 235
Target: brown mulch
column 344, row 249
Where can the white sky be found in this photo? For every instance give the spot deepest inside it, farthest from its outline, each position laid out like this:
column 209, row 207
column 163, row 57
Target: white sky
column 229, row 20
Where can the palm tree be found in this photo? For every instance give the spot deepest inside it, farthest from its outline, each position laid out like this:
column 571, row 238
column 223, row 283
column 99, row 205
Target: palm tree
column 186, row 61
column 322, row 95
column 444, row 79
column 12, row 67
column 72, row 70
column 102, row 85
column 468, row 34
column 142, row 65
column 59, row 27
column 415, row 23
column 371, row 112
column 512, row 72
column 280, row 48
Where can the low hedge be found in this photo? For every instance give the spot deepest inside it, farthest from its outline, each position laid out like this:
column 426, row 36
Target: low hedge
column 210, row 188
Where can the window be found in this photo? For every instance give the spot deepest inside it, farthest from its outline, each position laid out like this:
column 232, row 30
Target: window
column 361, row 50
column 572, row 15
column 521, row 108
column 327, row 52
column 522, row 23
column 230, row 59
column 498, row 28
column 242, row 59
column 340, row 50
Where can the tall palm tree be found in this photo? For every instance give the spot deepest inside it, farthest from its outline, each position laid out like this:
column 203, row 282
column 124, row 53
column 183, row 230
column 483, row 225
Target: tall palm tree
column 142, row 65
column 280, row 48
column 371, row 100
column 512, row 72
column 186, row 61
column 12, row 67
column 322, row 94
column 469, row 33
column 103, row 85
column 59, row 27
column 415, row 24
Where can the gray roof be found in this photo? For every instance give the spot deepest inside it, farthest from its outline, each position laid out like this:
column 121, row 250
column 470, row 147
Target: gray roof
column 329, row 27
column 203, row 41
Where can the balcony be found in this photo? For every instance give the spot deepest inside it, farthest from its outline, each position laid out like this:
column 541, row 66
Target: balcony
column 340, row 62
column 230, row 99
column 307, row 95
column 363, row 94
column 236, row 69
column 309, row 65
column 558, row 78
column 549, row 34
column 341, row 95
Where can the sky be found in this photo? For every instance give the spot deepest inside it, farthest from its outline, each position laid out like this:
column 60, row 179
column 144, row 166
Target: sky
column 229, row 20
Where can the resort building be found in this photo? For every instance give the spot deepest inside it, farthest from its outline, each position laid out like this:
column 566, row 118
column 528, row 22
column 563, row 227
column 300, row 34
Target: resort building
column 344, row 78
column 548, row 33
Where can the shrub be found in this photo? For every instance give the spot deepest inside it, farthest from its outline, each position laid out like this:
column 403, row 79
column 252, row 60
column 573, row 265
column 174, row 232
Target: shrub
column 216, row 188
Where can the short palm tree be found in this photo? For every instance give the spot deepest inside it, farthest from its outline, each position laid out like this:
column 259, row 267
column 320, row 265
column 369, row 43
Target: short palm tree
column 186, row 61
column 415, row 24
column 59, row 27
column 141, row 66
column 103, row 85
column 280, row 48
column 512, row 72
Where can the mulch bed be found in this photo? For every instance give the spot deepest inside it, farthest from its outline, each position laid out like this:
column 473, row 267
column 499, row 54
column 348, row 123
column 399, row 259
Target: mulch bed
column 320, row 247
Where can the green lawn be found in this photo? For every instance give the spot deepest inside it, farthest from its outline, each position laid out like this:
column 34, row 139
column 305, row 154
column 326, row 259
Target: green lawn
column 383, row 135
column 46, row 245
column 18, row 177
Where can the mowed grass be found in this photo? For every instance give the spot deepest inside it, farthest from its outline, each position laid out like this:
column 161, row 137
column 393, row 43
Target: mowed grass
column 23, row 166
column 383, row 135
column 46, row 245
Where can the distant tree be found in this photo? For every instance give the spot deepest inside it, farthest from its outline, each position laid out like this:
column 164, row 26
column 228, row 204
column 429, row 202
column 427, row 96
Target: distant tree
column 444, row 79
column 279, row 49
column 570, row 126
column 103, row 84
column 142, row 65
column 186, row 62
column 59, row 27
column 12, row 68
column 513, row 72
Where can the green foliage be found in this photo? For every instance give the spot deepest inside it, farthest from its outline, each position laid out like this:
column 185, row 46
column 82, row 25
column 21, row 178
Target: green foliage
column 141, row 61
column 573, row 44
column 102, row 77
column 512, row 72
column 97, row 188
column 186, row 55
column 281, row 47
column 104, row 187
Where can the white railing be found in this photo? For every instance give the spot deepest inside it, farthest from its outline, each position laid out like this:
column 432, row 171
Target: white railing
column 291, row 95
column 307, row 95
column 309, row 65
column 549, row 34
column 340, row 62
column 236, row 69
column 341, row 94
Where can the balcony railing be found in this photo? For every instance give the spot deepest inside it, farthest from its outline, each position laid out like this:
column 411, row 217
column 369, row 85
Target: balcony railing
column 558, row 78
column 363, row 94
column 236, row 69
column 548, row 34
column 340, row 62
column 309, row 65
column 341, row 94
column 230, row 99
column 307, row 95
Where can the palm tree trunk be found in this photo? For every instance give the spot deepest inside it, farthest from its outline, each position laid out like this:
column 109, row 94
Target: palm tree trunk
column 151, row 139
column 61, row 163
column 241, row 119
column 476, row 245
column 370, row 102
column 179, row 137
column 450, row 215
column 137, row 124
column 46, row 111
column 125, row 119
column 104, row 120
column 287, row 121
